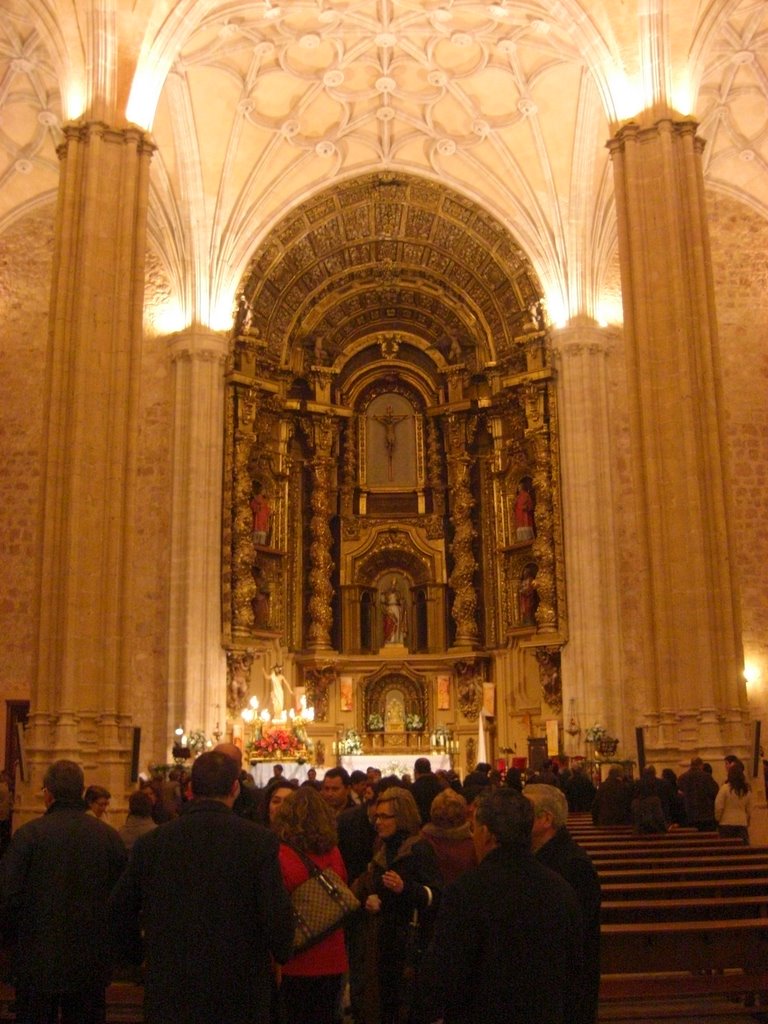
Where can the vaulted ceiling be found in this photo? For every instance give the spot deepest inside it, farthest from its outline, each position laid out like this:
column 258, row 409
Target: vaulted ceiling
column 256, row 107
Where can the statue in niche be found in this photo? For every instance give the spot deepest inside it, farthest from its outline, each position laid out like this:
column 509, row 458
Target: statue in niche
column 523, row 514
column 261, row 600
column 393, row 616
column 455, row 355
column 395, row 715
column 527, row 595
column 262, row 514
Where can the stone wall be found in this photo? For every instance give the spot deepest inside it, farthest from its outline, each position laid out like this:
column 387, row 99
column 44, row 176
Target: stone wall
column 26, row 249
column 739, row 238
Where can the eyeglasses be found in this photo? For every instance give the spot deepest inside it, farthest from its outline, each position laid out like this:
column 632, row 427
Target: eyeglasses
column 384, row 817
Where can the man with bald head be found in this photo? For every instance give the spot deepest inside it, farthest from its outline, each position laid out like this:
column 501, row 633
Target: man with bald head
column 247, row 803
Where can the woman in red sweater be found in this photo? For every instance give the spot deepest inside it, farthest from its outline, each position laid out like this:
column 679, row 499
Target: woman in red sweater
column 310, row 991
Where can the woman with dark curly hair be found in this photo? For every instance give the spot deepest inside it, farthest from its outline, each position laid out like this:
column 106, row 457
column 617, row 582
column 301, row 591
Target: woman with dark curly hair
column 274, row 795
column 399, row 891
column 310, row 991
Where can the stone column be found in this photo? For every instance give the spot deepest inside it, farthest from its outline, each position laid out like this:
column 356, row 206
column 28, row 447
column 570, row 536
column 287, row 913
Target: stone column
column 689, row 615
column 590, row 661
column 81, row 694
column 197, row 677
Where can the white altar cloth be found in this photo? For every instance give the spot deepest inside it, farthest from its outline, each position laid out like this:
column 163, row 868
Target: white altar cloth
column 393, row 764
column 262, row 771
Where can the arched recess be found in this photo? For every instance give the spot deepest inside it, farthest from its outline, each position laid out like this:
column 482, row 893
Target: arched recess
column 400, row 698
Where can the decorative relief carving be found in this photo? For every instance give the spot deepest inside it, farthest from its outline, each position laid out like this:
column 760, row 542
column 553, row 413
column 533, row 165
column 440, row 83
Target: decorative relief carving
column 549, row 673
column 238, row 679
column 469, row 688
column 320, row 558
column 318, row 682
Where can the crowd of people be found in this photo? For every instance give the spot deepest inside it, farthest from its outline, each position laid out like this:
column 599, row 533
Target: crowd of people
column 656, row 803
column 453, row 877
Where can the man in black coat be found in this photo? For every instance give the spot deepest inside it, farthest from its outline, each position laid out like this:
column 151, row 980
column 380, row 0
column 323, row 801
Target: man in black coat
column 554, row 846
column 206, row 888
column 507, row 946
column 425, row 787
column 56, row 877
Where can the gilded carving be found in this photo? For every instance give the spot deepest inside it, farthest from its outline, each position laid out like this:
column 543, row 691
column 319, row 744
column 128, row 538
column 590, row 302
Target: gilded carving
column 320, row 559
column 549, row 674
column 238, row 678
column 462, row 577
column 469, row 688
column 318, row 681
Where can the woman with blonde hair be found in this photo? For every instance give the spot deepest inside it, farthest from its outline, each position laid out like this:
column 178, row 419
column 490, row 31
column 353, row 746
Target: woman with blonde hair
column 310, row 989
column 399, row 891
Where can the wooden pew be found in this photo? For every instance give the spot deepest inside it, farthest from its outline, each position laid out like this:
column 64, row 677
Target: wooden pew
column 629, row 876
column 643, row 850
column 683, row 917
column 658, row 959
column 648, row 862
column 669, row 889
column 698, row 907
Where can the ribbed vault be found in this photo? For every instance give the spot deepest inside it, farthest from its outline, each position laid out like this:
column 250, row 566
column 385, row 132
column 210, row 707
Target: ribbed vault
column 389, row 254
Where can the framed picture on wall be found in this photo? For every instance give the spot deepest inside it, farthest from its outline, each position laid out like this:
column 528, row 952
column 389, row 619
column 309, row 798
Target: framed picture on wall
column 444, row 693
column 345, row 693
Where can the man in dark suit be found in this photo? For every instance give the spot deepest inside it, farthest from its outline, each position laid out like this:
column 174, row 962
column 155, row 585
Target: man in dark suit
column 206, row 888
column 554, row 846
column 56, row 878
column 510, row 916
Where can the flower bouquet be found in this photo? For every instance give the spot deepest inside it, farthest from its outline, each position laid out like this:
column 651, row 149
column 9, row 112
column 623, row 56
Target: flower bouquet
column 274, row 746
column 414, row 722
column 375, row 722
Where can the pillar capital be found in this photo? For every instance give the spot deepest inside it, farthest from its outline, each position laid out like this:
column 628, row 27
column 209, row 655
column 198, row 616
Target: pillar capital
column 198, row 342
column 583, row 336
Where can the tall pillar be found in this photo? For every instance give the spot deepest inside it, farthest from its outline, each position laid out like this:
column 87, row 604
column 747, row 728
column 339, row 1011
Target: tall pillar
column 197, row 674
column 81, row 691
column 590, row 661
column 693, row 686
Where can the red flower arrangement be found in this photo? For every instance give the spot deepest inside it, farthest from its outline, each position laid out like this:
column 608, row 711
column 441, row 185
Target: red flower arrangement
column 277, row 743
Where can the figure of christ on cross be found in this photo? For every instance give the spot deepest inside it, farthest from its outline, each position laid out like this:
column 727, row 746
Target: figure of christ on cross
column 389, row 421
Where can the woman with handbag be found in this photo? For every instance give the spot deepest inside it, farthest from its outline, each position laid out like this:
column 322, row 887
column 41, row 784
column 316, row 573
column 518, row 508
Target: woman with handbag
column 399, row 891
column 311, row 984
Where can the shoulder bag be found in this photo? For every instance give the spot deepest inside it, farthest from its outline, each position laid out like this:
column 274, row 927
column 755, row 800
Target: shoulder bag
column 320, row 905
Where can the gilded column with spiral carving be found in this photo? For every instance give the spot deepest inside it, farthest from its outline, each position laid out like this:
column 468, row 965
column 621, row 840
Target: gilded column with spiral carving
column 434, row 468
column 320, row 548
column 243, row 554
column 462, row 578
column 537, row 436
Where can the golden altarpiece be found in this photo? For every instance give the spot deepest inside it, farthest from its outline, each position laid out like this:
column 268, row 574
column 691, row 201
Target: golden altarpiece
column 392, row 532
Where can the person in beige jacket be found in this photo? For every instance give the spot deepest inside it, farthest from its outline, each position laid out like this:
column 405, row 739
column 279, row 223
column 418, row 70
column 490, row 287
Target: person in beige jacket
column 733, row 805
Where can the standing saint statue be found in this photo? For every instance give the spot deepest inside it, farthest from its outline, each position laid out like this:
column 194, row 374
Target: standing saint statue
column 393, row 617
column 262, row 515
column 278, row 684
column 524, row 521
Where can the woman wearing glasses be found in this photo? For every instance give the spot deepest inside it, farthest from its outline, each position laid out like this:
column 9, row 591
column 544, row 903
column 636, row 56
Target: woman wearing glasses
column 399, row 891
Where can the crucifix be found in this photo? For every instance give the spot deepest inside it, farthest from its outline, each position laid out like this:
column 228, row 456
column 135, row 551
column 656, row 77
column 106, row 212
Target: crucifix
column 389, row 421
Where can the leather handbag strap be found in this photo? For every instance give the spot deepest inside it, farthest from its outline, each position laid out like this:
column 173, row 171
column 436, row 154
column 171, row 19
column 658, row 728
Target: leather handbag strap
column 309, row 864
